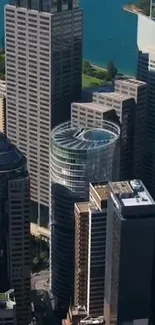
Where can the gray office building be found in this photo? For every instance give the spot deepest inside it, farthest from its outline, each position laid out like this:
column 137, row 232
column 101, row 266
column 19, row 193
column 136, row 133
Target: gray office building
column 15, row 228
column 129, row 253
column 43, row 42
column 78, row 156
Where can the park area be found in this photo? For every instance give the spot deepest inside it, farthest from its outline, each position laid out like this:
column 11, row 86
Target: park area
column 93, row 76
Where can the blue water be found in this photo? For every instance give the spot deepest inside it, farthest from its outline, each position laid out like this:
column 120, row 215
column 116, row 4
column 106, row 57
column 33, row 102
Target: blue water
column 109, row 33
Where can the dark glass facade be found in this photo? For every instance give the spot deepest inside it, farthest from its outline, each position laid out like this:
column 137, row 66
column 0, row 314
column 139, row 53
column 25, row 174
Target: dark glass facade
column 129, row 262
column 14, row 227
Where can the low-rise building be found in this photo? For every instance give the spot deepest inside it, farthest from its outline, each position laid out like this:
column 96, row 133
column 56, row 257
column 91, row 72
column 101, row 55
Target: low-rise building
column 7, row 308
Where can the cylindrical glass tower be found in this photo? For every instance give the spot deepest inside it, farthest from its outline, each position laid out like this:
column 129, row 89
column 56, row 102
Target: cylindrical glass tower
column 78, row 156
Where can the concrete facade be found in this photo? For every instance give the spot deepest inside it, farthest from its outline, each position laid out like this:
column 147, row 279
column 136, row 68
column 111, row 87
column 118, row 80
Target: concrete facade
column 43, row 74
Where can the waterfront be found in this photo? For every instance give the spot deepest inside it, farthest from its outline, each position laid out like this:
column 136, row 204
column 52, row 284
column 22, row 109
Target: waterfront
column 109, row 33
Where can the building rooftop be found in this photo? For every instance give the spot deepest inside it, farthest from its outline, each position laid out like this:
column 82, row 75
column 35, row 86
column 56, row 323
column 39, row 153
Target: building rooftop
column 131, row 81
column 83, row 207
column 5, row 300
column 67, row 137
column 102, row 191
column 131, row 193
column 115, row 96
column 94, row 106
column 38, row 231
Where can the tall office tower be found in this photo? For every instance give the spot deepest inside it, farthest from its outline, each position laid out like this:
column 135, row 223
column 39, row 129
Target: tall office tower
column 129, row 253
column 3, row 106
column 90, row 249
column 43, row 41
column 15, row 227
column 146, row 72
column 7, row 308
column 138, row 90
column 106, row 106
column 78, row 156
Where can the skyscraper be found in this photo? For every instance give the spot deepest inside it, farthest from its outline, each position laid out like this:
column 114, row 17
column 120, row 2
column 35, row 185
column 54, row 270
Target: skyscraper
column 138, row 91
column 78, row 156
column 15, row 227
column 129, row 253
column 90, row 248
column 43, row 72
column 146, row 72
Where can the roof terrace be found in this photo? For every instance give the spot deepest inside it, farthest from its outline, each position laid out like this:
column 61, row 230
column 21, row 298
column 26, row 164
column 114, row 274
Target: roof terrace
column 131, row 193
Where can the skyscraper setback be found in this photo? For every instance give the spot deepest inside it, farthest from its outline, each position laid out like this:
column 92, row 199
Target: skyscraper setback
column 43, row 71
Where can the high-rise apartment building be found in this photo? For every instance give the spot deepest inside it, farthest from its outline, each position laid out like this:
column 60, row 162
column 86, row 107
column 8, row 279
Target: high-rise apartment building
column 15, row 227
column 129, row 253
column 43, row 41
column 7, row 308
column 90, row 249
column 78, row 156
column 146, row 72
column 137, row 90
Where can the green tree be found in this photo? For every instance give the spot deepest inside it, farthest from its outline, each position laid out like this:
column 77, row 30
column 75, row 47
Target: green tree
column 36, row 261
column 86, row 65
column 101, row 74
column 111, row 70
column 88, row 69
column 144, row 5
